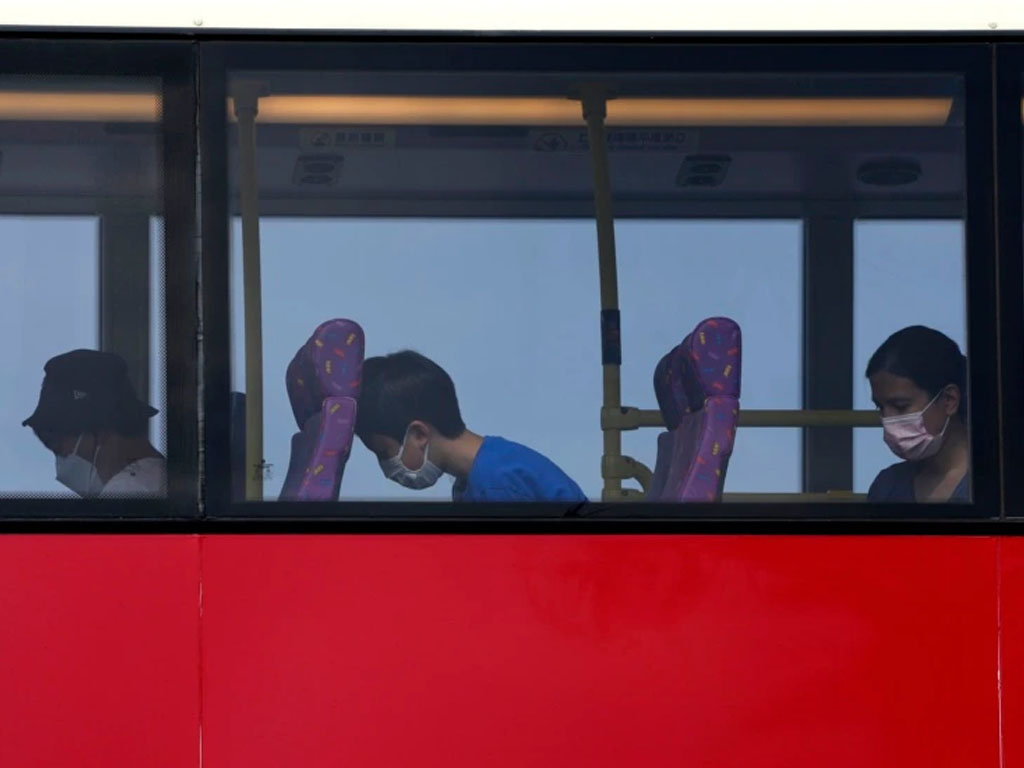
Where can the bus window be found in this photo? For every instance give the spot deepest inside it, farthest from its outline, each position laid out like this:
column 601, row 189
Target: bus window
column 82, row 269
column 453, row 214
column 760, row 289
column 469, row 277
column 890, row 257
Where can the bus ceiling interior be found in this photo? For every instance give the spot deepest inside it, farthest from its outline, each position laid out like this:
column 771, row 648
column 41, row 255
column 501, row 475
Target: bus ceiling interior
column 729, row 163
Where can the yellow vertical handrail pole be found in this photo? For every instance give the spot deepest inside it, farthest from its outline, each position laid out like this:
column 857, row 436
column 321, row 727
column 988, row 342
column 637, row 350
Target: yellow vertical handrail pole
column 594, row 111
column 246, row 99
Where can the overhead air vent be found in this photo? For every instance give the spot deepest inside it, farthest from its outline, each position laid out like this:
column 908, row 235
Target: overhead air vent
column 317, row 170
column 889, row 172
column 703, row 170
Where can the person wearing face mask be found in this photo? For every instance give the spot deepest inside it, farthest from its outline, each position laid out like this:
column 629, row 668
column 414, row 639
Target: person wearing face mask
column 97, row 428
column 918, row 380
column 409, row 417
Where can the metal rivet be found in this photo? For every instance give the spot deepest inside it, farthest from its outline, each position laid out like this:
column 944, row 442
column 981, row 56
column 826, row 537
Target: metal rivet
column 197, row 22
column 993, row 25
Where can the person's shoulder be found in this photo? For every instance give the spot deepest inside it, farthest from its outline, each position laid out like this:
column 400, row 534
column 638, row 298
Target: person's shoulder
column 899, row 469
column 500, row 458
column 521, row 473
column 504, row 446
column 513, row 454
column 144, row 477
column 891, row 481
column 538, row 477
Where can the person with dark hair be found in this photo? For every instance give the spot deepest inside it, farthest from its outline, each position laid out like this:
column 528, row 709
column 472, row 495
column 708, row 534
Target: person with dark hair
column 918, row 382
column 408, row 416
column 97, row 428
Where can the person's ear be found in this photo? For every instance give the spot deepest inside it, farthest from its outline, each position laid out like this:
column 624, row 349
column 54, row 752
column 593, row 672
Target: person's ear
column 950, row 400
column 418, row 434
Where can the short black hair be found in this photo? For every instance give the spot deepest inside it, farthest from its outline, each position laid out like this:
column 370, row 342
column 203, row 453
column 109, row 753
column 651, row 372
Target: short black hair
column 403, row 387
column 927, row 357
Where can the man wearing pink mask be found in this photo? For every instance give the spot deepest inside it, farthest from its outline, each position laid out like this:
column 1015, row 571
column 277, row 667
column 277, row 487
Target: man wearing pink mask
column 918, row 382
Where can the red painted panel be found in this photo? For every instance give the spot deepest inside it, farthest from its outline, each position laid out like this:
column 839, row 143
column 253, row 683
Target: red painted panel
column 1012, row 647
column 99, row 651
column 599, row 651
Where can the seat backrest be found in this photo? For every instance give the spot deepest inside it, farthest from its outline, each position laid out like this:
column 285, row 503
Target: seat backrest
column 323, row 387
column 698, row 387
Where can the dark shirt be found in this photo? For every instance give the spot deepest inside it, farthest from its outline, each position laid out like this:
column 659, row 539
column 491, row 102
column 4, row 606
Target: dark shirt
column 507, row 471
column 896, row 484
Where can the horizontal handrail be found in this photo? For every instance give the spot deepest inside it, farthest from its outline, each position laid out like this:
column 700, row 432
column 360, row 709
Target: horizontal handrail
column 625, row 468
column 627, row 418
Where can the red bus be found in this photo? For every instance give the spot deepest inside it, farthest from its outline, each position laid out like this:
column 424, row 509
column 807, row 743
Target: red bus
column 664, row 252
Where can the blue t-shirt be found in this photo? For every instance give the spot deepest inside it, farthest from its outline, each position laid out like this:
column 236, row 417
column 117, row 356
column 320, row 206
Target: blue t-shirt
column 896, row 484
column 507, row 471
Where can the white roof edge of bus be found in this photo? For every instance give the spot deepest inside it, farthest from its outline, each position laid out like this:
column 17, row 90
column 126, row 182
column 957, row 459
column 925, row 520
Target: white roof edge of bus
column 527, row 15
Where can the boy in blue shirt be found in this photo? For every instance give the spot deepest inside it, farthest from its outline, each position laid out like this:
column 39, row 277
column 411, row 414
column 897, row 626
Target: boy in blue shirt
column 409, row 417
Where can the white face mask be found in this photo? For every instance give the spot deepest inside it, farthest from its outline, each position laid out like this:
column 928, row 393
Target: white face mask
column 79, row 474
column 908, row 437
column 416, row 479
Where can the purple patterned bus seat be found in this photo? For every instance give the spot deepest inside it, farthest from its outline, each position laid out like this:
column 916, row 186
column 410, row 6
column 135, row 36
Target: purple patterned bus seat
column 320, row 451
column 661, row 466
column 697, row 385
column 323, row 386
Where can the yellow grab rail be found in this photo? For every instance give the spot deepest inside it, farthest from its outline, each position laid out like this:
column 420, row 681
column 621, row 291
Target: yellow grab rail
column 592, row 99
column 246, row 100
column 627, row 418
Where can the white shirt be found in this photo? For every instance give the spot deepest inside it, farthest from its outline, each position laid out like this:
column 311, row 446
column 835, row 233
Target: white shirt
column 145, row 477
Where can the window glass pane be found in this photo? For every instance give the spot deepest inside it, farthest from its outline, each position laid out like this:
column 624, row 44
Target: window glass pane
column 391, row 266
column 82, row 272
column 54, row 263
column 453, row 213
column 907, row 273
column 760, row 289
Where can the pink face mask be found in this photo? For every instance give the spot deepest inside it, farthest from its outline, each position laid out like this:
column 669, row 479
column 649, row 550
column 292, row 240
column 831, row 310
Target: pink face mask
column 908, row 437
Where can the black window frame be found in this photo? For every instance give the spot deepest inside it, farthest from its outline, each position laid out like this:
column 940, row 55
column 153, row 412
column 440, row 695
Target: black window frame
column 1008, row 150
column 971, row 60
column 173, row 63
column 193, row 68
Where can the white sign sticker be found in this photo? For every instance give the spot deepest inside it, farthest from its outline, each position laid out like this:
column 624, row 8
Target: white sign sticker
column 618, row 139
column 347, row 137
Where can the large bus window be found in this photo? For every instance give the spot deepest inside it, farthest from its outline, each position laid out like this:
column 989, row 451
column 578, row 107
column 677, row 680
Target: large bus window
column 83, row 398
column 556, row 409
column 705, row 341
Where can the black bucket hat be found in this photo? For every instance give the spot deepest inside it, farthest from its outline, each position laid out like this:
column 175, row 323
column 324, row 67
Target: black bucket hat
column 85, row 391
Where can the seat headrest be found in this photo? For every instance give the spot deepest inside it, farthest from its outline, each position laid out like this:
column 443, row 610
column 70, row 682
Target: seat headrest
column 329, row 364
column 706, row 363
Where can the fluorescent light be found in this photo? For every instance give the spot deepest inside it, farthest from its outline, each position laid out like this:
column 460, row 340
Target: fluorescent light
column 517, row 110
column 79, row 106
column 497, row 110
